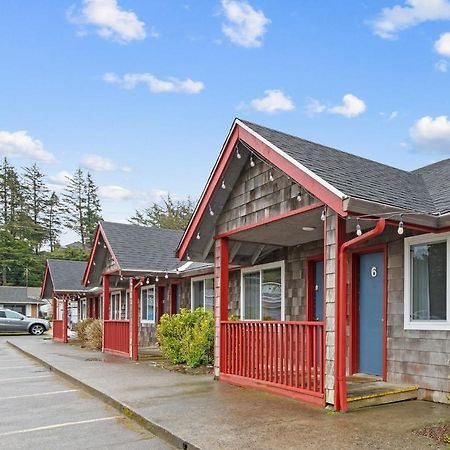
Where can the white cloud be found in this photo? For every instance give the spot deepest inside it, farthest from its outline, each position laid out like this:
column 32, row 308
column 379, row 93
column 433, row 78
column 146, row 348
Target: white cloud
column 390, row 116
column 414, row 12
column 442, row 45
column 273, row 101
column 111, row 21
column 431, row 133
column 99, row 163
column 245, row 26
column 131, row 80
column 352, row 106
column 20, row 143
column 115, row 193
column 441, row 65
column 60, row 177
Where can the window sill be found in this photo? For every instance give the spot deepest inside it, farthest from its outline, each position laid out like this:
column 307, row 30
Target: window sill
column 147, row 321
column 428, row 326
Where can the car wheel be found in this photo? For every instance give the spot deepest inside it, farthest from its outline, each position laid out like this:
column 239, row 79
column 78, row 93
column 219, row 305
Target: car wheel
column 37, row 329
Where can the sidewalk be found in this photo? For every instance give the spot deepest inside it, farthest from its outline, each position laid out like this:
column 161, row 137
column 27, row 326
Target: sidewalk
column 202, row 413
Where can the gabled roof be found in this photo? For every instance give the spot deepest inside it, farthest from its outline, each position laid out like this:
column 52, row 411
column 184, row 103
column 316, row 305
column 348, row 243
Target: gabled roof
column 19, row 295
column 66, row 275
column 360, row 177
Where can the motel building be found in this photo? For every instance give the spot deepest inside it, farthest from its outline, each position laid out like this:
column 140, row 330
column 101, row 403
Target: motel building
column 338, row 268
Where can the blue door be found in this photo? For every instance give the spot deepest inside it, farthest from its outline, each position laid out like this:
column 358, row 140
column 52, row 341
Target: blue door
column 318, row 290
column 371, row 293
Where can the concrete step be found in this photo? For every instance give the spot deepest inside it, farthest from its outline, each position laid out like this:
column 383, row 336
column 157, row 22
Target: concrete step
column 150, row 354
column 391, row 394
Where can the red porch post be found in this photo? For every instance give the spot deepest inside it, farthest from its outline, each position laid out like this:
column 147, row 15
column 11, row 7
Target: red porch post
column 134, row 318
column 65, row 314
column 224, row 261
column 221, row 307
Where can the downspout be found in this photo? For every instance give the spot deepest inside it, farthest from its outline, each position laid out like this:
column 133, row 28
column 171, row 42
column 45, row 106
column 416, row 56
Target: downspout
column 341, row 351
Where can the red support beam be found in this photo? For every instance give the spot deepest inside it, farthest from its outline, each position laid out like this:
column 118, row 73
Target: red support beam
column 65, row 318
column 134, row 317
column 224, row 263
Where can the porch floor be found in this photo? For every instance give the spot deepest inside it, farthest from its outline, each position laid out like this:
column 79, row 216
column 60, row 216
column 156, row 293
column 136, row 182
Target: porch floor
column 364, row 390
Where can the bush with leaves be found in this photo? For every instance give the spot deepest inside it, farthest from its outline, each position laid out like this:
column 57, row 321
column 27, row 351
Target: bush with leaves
column 94, row 334
column 187, row 337
column 81, row 329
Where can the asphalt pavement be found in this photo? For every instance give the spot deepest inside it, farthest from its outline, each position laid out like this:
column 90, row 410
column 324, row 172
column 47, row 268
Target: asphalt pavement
column 40, row 410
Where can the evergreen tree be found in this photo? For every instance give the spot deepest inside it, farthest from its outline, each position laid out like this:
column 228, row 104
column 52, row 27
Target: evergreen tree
column 53, row 220
column 35, row 198
column 93, row 208
column 11, row 197
column 171, row 214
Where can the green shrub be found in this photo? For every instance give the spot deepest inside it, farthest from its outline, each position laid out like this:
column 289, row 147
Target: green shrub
column 81, row 329
column 233, row 317
column 187, row 337
column 94, row 334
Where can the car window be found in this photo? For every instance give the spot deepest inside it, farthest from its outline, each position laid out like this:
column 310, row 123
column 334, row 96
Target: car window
column 12, row 315
column 2, row 314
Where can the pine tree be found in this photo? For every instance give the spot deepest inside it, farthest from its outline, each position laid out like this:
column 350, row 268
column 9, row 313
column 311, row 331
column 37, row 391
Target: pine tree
column 171, row 214
column 53, row 221
column 35, row 199
column 93, row 208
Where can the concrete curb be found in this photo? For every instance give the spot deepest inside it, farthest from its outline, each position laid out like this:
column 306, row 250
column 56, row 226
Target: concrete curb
column 128, row 412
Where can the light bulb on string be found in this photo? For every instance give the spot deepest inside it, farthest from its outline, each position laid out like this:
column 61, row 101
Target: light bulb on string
column 323, row 216
column 211, row 212
column 223, row 184
column 252, row 161
column 198, row 236
column 358, row 228
column 166, row 276
column 270, row 176
column 400, row 229
column 238, row 155
column 157, row 278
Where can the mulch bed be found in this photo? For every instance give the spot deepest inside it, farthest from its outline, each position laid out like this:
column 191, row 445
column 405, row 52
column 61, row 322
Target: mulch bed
column 440, row 432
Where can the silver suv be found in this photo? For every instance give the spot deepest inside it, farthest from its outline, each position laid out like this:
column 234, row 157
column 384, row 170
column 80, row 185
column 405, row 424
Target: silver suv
column 13, row 321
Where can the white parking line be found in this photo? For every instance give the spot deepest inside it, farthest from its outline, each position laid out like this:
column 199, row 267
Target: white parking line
column 39, row 394
column 24, row 378
column 17, row 367
column 59, row 425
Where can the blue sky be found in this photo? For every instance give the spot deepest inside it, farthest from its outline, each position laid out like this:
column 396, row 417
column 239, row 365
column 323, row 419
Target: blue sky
column 143, row 92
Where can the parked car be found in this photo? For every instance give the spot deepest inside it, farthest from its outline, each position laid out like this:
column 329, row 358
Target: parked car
column 13, row 321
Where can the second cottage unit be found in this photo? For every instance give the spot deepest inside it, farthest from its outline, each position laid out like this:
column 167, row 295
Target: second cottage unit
column 132, row 262
column 343, row 280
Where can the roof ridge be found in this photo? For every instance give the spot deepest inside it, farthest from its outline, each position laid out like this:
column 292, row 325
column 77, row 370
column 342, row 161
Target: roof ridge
column 141, row 226
column 326, row 146
column 430, row 165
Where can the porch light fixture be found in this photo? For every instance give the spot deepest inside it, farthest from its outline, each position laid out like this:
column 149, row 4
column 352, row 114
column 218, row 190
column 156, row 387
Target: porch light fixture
column 166, row 276
column 271, row 176
column 400, row 226
column 211, row 212
column 198, row 236
column 238, row 155
column 323, row 216
column 252, row 161
column 308, row 228
column 358, row 228
column 223, row 184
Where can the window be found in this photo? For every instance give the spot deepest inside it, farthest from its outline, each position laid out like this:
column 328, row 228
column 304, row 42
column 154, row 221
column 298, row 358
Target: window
column 125, row 307
column 148, row 304
column 202, row 293
column 262, row 292
column 13, row 315
column 427, row 275
column 114, row 305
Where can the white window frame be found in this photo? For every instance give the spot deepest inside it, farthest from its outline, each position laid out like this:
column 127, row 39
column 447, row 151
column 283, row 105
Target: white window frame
column 260, row 268
column 115, row 292
column 424, row 324
column 144, row 289
column 127, row 293
column 201, row 278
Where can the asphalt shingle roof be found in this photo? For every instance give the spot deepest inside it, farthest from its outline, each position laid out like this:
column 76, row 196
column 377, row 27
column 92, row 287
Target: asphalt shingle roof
column 424, row 190
column 19, row 294
column 138, row 247
column 67, row 275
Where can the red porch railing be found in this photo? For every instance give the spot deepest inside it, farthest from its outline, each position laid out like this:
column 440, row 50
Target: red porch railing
column 58, row 330
column 116, row 336
column 282, row 356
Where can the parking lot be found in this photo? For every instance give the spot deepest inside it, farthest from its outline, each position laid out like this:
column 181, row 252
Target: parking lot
column 40, row 410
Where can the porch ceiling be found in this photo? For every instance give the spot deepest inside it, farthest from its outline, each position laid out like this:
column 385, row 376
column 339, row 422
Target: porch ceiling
column 286, row 232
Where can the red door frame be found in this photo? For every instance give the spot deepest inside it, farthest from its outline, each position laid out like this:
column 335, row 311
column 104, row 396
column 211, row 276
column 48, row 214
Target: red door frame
column 354, row 306
column 310, row 286
column 173, row 299
column 160, row 302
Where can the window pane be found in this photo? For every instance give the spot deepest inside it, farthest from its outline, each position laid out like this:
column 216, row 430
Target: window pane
column 429, row 281
column 251, row 296
column 144, row 304
column 12, row 315
column 151, row 304
column 197, row 294
column 209, row 294
column 271, row 294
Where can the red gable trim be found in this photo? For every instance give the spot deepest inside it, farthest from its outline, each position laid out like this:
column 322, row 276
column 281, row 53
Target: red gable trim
column 46, row 275
column 99, row 233
column 307, row 180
